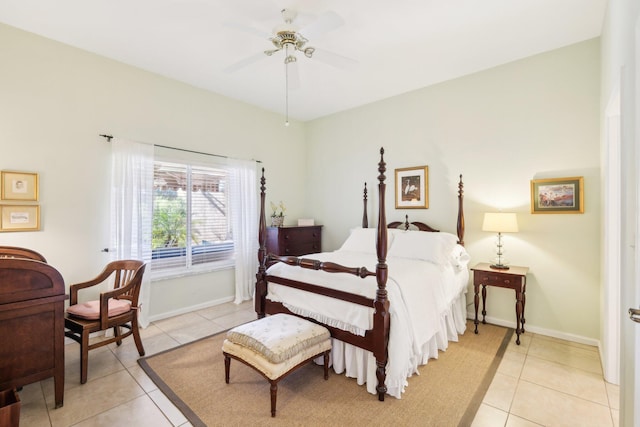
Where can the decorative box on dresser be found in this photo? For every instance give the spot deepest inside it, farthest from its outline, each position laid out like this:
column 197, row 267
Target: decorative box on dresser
column 294, row 241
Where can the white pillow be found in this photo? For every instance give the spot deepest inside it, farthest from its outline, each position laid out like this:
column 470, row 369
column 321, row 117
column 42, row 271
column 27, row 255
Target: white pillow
column 436, row 247
column 460, row 257
column 363, row 240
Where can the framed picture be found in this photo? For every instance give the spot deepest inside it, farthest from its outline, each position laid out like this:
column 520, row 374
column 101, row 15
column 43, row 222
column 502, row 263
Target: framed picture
column 19, row 218
column 557, row 195
column 19, row 186
column 412, row 188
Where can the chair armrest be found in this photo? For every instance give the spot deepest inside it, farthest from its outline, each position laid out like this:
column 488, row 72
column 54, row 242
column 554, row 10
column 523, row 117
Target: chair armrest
column 104, row 302
column 73, row 289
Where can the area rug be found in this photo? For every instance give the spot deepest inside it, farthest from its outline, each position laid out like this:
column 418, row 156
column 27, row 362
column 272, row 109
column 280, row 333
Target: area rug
column 447, row 392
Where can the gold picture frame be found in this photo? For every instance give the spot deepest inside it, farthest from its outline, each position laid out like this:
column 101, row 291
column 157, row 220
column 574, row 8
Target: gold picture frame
column 19, row 218
column 22, row 186
column 557, row 195
column 412, row 188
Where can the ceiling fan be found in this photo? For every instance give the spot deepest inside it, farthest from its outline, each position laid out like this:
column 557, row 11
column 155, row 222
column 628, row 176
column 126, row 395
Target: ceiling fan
column 290, row 38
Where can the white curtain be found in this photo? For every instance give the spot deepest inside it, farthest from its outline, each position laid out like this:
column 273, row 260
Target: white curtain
column 244, row 217
column 132, row 209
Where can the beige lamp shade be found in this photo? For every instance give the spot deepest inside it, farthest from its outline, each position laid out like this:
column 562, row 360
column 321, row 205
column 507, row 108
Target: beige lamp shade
column 500, row 222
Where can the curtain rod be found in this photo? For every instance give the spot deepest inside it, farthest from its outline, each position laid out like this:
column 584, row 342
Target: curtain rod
column 110, row 137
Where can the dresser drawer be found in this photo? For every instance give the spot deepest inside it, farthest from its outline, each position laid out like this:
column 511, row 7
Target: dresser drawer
column 491, row 279
column 301, row 248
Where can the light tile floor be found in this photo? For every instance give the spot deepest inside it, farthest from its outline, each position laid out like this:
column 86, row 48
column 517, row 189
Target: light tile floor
column 549, row 382
column 544, row 381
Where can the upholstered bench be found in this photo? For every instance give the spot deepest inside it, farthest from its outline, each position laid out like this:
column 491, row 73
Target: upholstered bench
column 275, row 346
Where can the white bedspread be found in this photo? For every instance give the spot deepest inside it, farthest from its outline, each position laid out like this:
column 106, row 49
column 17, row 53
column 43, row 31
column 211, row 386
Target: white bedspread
column 427, row 308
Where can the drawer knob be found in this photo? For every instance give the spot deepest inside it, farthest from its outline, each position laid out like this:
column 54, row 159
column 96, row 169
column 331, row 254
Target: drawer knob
column 507, row 281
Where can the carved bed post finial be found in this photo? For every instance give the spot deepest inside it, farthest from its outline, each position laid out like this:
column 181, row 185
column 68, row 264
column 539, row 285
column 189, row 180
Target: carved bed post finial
column 406, row 222
column 460, row 224
column 381, row 317
column 365, row 218
column 261, row 283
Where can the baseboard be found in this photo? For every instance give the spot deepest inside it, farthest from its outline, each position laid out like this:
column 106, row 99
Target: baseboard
column 541, row 331
column 189, row 309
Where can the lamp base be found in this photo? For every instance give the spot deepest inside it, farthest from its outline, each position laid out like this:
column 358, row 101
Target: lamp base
column 499, row 266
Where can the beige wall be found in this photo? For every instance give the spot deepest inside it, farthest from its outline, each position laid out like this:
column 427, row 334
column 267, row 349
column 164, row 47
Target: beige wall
column 500, row 128
column 534, row 118
column 55, row 100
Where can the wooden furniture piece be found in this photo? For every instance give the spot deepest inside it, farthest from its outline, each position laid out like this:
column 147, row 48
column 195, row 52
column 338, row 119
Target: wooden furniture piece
column 9, row 408
column 85, row 318
column 294, row 241
column 514, row 278
column 375, row 339
column 16, row 252
column 275, row 346
column 32, row 295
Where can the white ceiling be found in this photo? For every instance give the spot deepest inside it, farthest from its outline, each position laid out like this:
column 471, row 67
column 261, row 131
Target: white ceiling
column 398, row 46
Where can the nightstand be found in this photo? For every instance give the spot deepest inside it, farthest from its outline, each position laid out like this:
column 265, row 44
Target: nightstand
column 514, row 278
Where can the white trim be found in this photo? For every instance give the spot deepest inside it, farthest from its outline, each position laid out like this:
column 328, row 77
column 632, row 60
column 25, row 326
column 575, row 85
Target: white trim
column 176, row 272
column 184, row 310
column 529, row 329
column 610, row 307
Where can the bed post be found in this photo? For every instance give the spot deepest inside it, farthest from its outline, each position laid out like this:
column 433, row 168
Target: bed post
column 381, row 305
column 261, row 282
column 365, row 219
column 460, row 224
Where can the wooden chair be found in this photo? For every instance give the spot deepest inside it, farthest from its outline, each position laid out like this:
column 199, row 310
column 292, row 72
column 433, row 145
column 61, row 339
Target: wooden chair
column 16, row 252
column 115, row 309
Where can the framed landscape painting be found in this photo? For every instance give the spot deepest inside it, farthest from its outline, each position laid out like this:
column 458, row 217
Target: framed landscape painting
column 557, row 195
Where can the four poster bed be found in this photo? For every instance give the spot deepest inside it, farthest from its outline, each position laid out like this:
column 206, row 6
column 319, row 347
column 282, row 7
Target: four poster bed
column 389, row 316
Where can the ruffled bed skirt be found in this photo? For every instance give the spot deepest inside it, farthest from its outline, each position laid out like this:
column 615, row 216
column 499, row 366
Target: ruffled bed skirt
column 360, row 364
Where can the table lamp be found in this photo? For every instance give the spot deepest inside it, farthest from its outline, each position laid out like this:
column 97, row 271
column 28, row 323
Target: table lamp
column 500, row 222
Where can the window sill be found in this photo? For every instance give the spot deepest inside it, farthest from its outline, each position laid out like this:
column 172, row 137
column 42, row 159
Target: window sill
column 190, row 271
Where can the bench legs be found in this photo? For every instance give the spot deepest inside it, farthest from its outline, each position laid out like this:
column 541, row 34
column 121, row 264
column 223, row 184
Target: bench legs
column 274, row 396
column 274, row 382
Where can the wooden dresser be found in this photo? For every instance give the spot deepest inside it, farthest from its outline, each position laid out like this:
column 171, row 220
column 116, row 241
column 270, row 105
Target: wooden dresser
column 294, row 241
column 32, row 295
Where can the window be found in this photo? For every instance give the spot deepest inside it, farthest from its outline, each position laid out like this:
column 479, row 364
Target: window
column 191, row 222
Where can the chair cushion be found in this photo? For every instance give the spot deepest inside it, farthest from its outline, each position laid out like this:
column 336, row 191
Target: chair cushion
column 90, row 310
column 278, row 337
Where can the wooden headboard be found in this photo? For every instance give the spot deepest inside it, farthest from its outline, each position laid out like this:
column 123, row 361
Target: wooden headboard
column 421, row 225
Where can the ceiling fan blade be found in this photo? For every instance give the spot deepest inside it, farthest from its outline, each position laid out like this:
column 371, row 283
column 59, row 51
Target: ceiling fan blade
column 257, row 10
column 248, row 29
column 334, row 59
column 328, row 21
column 245, row 62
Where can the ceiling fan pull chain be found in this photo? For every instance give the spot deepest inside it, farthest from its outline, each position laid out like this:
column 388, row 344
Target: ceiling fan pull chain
column 286, row 86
